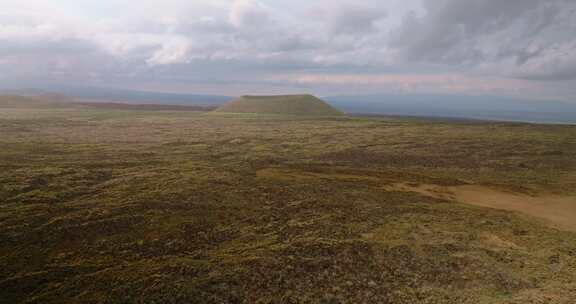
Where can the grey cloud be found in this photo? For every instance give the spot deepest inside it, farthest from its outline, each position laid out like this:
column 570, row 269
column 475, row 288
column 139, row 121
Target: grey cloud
column 512, row 36
column 66, row 46
column 249, row 31
column 206, row 25
column 249, row 13
column 449, row 29
column 526, row 39
column 357, row 19
column 555, row 64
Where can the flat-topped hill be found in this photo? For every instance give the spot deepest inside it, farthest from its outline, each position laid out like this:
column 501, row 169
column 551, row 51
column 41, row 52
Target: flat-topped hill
column 280, row 104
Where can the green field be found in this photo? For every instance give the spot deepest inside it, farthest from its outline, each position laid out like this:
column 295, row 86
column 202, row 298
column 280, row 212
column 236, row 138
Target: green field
column 101, row 206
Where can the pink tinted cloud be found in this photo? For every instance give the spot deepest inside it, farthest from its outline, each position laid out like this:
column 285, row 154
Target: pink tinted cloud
column 416, row 83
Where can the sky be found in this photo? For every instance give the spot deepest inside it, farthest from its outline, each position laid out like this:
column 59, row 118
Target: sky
column 520, row 48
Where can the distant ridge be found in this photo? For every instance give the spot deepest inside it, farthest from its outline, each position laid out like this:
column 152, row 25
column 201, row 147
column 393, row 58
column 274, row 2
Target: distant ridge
column 58, row 101
column 114, row 95
column 45, row 101
column 281, row 104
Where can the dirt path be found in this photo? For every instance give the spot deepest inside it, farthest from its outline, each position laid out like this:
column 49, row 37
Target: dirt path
column 560, row 211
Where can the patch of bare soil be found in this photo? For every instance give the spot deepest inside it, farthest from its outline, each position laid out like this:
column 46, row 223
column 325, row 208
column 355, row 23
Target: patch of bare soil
column 557, row 210
column 560, row 211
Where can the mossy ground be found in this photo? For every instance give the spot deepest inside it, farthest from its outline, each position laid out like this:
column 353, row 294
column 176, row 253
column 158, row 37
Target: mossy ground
column 104, row 206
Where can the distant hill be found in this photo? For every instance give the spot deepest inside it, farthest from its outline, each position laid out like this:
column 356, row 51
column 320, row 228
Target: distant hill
column 24, row 92
column 95, row 94
column 113, row 95
column 144, row 107
column 281, row 104
column 36, row 102
column 53, row 100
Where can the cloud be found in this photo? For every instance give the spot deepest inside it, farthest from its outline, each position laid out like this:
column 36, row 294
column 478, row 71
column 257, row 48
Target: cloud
column 431, row 83
column 327, row 43
column 551, row 64
column 356, row 19
column 172, row 51
column 518, row 38
column 248, row 13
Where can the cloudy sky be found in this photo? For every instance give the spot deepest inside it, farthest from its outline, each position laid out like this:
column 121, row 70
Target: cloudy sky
column 524, row 48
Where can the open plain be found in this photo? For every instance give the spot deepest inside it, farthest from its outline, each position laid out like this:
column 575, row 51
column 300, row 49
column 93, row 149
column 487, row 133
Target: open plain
column 124, row 206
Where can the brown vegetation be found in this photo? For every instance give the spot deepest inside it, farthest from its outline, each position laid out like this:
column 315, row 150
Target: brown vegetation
column 101, row 206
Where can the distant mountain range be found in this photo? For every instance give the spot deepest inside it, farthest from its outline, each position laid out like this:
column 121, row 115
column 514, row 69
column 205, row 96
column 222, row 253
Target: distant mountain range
column 450, row 106
column 144, row 97
column 459, row 106
column 127, row 96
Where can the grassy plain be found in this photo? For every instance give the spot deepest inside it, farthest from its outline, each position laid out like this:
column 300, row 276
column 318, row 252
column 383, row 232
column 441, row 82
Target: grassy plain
column 101, row 206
